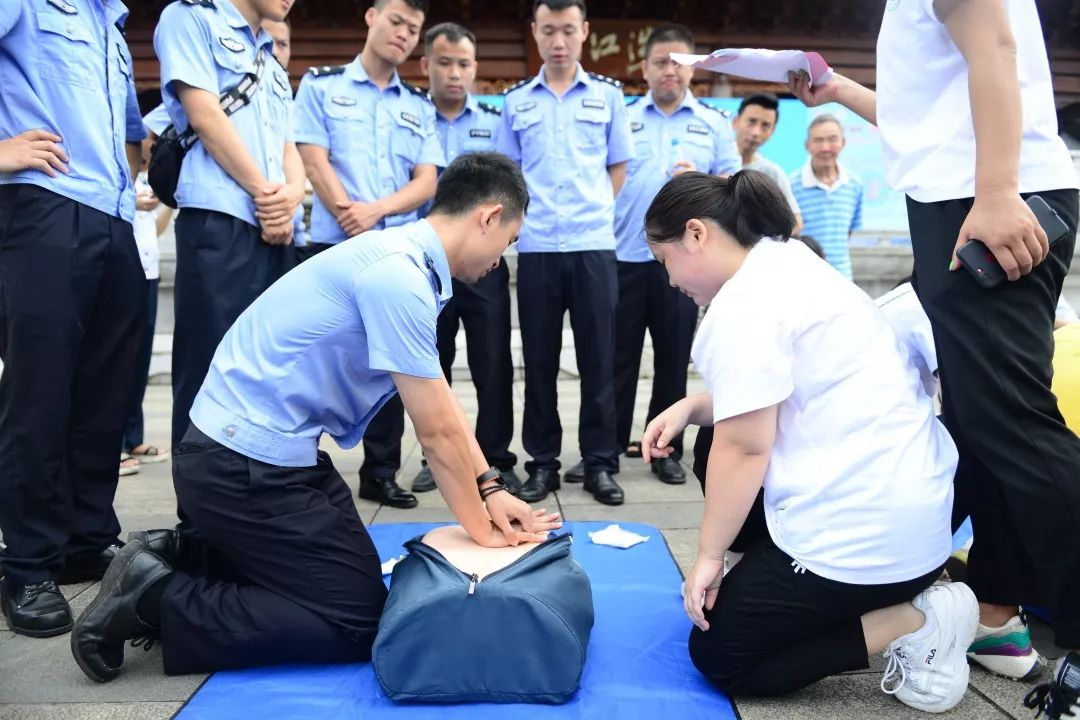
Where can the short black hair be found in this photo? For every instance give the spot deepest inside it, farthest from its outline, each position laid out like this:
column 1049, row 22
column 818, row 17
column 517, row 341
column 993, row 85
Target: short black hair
column 421, row 5
column 557, row 5
column 764, row 100
column 453, row 33
column 810, row 242
column 748, row 206
column 670, row 33
column 475, row 178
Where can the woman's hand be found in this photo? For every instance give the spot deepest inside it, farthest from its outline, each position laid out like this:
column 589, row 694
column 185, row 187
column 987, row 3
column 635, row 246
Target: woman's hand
column 701, row 588
column 656, row 442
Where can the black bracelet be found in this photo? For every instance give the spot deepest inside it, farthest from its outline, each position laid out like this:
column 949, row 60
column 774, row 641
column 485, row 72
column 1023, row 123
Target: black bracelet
column 488, row 491
column 489, row 475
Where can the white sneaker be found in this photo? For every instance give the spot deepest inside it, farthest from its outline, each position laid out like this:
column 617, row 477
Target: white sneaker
column 931, row 663
column 1006, row 650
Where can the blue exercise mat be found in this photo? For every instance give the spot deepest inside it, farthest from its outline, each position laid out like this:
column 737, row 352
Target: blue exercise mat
column 638, row 667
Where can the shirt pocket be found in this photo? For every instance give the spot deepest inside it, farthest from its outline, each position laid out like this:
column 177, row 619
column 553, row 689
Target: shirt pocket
column 66, row 51
column 699, row 150
column 349, row 127
column 407, row 139
column 530, row 132
column 590, row 128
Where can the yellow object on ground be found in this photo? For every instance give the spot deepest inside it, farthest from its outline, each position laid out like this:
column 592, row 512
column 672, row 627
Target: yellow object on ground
column 1067, row 373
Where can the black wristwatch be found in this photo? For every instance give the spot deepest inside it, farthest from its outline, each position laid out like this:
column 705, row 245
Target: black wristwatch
column 489, row 475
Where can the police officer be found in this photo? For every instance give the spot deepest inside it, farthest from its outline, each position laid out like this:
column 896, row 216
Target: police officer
column 569, row 131
column 673, row 133
column 239, row 185
column 369, row 146
column 305, row 583
column 465, row 125
column 73, row 296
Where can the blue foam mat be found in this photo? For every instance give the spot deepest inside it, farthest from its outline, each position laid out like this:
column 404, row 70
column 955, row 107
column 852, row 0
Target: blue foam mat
column 638, row 666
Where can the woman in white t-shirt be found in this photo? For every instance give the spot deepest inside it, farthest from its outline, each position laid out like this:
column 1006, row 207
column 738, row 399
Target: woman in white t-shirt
column 811, row 398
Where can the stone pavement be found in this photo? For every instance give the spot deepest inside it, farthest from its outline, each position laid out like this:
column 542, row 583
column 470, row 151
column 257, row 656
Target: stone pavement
column 40, row 681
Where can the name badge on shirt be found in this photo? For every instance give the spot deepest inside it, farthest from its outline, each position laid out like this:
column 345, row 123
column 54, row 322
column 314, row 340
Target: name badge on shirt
column 231, row 44
column 410, row 118
column 477, row 133
column 344, row 101
column 697, row 129
column 637, row 127
column 64, row 7
column 594, row 103
column 525, row 106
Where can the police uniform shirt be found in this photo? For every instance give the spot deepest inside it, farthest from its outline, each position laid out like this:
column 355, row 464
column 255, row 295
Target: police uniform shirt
column 376, row 138
column 65, row 67
column 289, row 371
column 207, row 44
column 696, row 133
column 476, row 129
column 564, row 146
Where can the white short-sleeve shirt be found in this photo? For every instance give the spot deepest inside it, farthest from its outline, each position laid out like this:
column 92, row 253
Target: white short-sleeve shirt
column 859, row 484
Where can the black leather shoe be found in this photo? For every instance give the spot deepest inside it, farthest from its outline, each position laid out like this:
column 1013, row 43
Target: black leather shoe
column 669, row 470
column 424, row 481
column 35, row 610
column 387, row 492
column 541, row 482
column 164, row 543
column 575, row 474
column 97, row 642
column 87, row 567
column 603, row 487
column 513, row 482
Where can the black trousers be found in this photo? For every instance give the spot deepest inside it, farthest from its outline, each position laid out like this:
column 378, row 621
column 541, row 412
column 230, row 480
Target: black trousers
column 776, row 627
column 287, row 573
column 222, row 265
column 72, row 310
column 586, row 284
column 647, row 301
column 133, row 426
column 1019, row 472
column 484, row 309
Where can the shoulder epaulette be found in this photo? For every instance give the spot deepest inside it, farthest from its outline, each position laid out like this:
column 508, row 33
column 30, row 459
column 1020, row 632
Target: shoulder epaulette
column 516, row 85
column 200, row 3
column 724, row 113
column 487, row 107
column 326, row 70
column 605, row 78
column 420, row 92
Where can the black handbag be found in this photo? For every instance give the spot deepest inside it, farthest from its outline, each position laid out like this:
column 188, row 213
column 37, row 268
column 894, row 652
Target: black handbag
column 170, row 148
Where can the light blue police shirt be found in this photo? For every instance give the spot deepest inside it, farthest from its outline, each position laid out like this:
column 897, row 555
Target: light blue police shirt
column 696, row 133
column 564, row 146
column 207, row 44
column 157, row 120
column 65, row 67
column 376, row 138
column 313, row 354
column 476, row 129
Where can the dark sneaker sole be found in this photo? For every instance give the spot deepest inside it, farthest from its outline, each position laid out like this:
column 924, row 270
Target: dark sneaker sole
column 109, row 585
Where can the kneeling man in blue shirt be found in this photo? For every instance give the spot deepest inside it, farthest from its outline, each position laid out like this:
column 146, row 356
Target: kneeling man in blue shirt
column 271, row 563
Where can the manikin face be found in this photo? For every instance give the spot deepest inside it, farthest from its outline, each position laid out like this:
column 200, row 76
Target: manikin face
column 393, row 31
column 560, row 35
column 451, row 69
column 667, row 80
column 753, row 128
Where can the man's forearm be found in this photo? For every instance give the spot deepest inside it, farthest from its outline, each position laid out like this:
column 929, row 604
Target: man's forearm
column 324, row 181
column 223, row 142
column 452, row 463
column 617, row 173
column 134, row 158
column 480, row 463
column 415, row 193
column 294, row 167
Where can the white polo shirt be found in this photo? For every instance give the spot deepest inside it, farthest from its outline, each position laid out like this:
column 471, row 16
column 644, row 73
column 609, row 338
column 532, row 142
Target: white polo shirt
column 859, row 484
column 924, row 110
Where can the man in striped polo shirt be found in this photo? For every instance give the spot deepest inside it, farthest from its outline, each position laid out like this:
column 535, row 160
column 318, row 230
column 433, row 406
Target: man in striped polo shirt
column 830, row 199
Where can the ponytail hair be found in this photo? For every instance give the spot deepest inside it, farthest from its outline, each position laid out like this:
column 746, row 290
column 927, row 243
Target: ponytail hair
column 748, row 206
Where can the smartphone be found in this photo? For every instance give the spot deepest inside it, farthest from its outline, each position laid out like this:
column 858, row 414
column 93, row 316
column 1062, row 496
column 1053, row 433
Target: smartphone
column 982, row 264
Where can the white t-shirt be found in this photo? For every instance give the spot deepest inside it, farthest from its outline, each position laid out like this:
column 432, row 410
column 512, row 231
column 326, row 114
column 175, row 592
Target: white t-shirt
column 145, row 227
column 859, row 484
column 924, row 109
column 767, row 166
column 905, row 313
